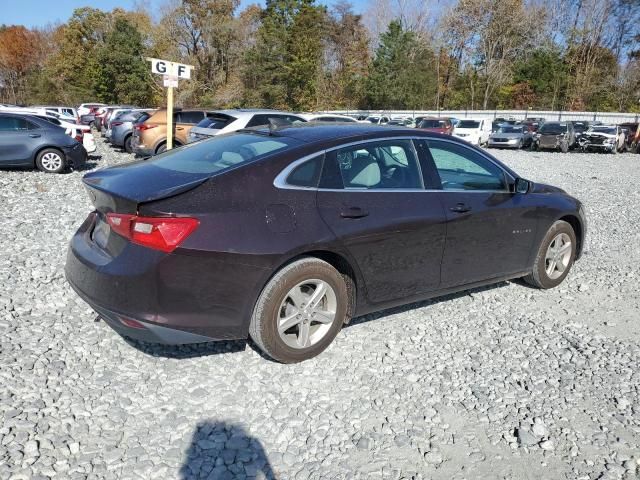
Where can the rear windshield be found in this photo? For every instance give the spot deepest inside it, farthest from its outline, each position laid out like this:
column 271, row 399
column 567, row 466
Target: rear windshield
column 553, row 128
column 215, row 122
column 222, row 152
column 468, row 124
column 432, row 124
column 144, row 116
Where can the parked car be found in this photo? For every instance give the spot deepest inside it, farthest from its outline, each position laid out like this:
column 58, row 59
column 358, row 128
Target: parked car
column 81, row 133
column 285, row 235
column 532, row 125
column 436, row 124
column 630, row 130
column 554, row 136
column 121, row 134
column 498, row 121
column 511, row 136
column 115, row 117
column 579, row 127
column 68, row 111
column 150, row 136
column 110, row 113
column 28, row 141
column 326, row 117
column 475, row 132
column 87, row 108
column 378, row 119
column 225, row 121
column 604, row 138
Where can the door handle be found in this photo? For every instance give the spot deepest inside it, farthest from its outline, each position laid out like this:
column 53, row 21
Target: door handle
column 34, row 135
column 461, row 208
column 179, row 128
column 353, row 212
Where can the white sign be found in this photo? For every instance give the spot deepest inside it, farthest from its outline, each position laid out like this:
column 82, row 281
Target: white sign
column 170, row 81
column 165, row 67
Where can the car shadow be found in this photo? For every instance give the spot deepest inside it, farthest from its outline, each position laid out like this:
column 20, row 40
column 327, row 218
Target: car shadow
column 192, row 350
column 225, row 450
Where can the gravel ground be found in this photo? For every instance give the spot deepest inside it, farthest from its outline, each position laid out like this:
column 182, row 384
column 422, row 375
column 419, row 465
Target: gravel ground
column 502, row 382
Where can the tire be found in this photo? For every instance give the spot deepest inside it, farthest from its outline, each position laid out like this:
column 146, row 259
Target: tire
column 519, row 147
column 284, row 296
column 127, row 144
column 564, row 147
column 51, row 160
column 539, row 276
column 161, row 148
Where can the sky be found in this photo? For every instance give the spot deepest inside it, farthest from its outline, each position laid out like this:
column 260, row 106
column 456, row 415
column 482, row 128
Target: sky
column 38, row 13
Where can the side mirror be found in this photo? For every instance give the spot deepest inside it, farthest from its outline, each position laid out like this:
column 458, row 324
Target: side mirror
column 522, row 185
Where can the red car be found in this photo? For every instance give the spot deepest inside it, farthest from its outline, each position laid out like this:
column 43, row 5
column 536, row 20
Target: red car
column 437, row 125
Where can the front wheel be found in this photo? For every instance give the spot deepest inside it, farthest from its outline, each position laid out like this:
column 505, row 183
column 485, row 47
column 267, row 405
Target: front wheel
column 564, row 147
column 555, row 257
column 300, row 311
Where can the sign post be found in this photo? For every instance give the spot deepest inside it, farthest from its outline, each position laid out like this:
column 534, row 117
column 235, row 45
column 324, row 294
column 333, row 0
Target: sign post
column 171, row 72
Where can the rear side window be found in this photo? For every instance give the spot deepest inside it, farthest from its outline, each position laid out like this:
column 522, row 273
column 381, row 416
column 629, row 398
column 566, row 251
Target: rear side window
column 143, row 117
column 307, row 174
column 189, row 117
column 221, row 153
column 461, row 168
column 388, row 165
column 13, row 124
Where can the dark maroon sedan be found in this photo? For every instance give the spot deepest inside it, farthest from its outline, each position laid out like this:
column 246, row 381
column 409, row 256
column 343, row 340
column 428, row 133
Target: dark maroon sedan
column 284, row 235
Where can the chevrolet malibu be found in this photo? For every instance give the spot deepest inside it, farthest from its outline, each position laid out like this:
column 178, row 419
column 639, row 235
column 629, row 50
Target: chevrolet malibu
column 284, row 235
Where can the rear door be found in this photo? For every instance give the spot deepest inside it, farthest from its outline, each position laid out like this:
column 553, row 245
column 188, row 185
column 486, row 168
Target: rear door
column 372, row 197
column 17, row 137
column 490, row 229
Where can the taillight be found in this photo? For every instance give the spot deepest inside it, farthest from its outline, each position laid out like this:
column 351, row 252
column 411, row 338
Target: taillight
column 145, row 126
column 79, row 136
column 159, row 233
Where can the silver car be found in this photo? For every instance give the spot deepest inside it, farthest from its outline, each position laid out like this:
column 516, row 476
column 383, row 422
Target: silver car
column 511, row 136
column 224, row 121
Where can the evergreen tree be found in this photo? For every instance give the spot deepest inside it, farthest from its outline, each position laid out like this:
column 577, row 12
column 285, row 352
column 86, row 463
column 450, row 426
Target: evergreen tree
column 123, row 74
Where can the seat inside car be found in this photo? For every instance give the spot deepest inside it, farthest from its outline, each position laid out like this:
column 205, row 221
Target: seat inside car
column 364, row 172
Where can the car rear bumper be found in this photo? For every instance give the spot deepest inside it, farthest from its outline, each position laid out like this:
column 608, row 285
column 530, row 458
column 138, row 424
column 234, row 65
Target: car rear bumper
column 168, row 298
column 76, row 155
column 141, row 149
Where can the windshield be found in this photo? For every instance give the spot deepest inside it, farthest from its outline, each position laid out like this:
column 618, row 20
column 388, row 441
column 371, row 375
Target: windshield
column 580, row 126
column 373, row 119
column 468, row 124
column 221, row 152
column 553, row 128
column 509, row 129
column 432, row 124
column 609, row 130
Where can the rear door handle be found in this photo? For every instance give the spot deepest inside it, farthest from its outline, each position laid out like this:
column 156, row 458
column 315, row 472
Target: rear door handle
column 353, row 212
column 34, row 135
column 461, row 208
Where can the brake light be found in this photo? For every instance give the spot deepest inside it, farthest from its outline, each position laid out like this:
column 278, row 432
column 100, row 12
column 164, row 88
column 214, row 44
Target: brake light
column 145, row 126
column 159, row 233
column 79, row 136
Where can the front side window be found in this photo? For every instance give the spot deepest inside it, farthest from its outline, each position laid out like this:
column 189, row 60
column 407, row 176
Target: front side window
column 387, row 164
column 461, row 168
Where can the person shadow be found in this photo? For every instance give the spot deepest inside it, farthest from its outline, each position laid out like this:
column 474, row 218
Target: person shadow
column 224, row 451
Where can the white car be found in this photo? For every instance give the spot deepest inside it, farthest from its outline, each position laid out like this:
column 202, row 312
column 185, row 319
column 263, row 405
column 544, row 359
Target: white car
column 377, row 119
column 68, row 111
column 85, row 108
column 327, row 117
column 607, row 138
column 225, row 121
column 475, row 132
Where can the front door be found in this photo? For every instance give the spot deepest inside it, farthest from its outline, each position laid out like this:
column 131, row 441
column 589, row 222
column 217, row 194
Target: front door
column 372, row 197
column 490, row 229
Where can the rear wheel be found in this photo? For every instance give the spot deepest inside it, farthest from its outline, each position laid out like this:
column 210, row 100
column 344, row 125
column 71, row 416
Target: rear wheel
column 300, row 311
column 161, row 148
column 555, row 257
column 51, row 160
column 127, row 145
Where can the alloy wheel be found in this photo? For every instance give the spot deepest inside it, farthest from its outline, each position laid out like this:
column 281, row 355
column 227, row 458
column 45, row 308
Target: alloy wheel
column 558, row 256
column 307, row 313
column 51, row 161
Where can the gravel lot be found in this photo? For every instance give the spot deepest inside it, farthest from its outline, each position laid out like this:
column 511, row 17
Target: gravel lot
column 503, row 382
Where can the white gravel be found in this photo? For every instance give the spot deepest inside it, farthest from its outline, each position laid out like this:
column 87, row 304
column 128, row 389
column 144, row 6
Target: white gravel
column 503, row 382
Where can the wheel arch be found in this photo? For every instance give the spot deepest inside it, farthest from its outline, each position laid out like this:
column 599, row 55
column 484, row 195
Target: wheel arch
column 578, row 228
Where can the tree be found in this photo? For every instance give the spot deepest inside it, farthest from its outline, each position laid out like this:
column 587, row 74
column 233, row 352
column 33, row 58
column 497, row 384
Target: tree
column 282, row 68
column 123, row 74
column 402, row 75
column 20, row 54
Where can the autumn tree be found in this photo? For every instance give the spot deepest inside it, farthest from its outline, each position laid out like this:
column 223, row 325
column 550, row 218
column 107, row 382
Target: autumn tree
column 20, row 54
